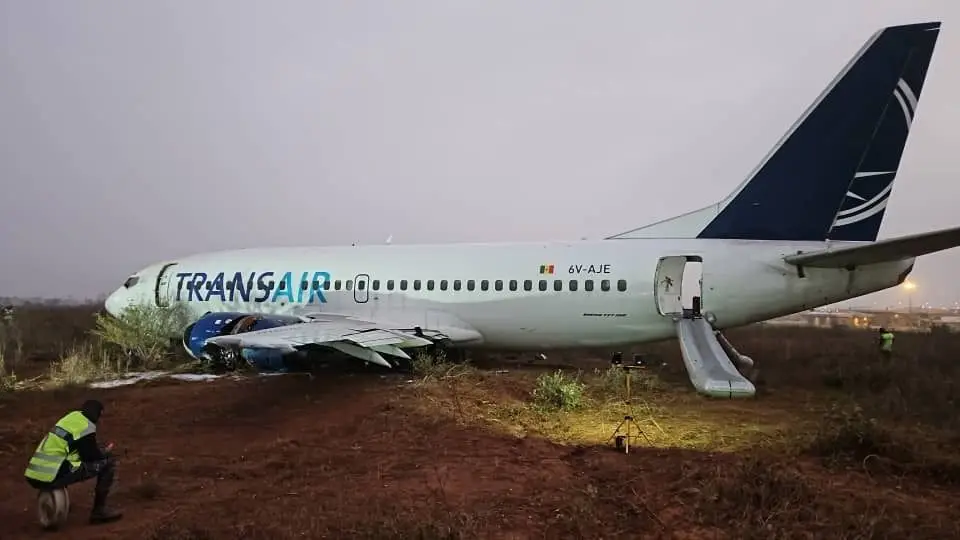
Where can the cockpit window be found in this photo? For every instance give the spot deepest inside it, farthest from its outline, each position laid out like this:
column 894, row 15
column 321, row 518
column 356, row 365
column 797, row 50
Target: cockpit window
column 131, row 281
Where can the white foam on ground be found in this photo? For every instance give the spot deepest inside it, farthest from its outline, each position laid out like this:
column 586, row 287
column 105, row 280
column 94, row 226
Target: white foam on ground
column 135, row 377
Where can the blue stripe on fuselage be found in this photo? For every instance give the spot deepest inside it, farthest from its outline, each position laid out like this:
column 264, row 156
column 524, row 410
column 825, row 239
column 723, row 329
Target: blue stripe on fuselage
column 251, row 286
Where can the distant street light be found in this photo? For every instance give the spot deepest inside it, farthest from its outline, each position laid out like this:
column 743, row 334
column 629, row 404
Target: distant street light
column 909, row 286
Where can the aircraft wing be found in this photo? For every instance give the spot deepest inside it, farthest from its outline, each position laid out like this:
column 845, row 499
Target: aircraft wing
column 893, row 249
column 365, row 340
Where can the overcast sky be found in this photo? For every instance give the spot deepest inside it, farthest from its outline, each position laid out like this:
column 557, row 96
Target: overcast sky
column 135, row 131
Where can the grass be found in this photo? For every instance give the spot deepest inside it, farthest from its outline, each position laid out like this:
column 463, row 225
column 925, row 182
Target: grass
column 669, row 419
column 763, row 492
column 75, row 345
column 834, row 445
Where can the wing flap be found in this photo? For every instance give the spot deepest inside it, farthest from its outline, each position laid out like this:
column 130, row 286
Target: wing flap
column 893, row 249
column 365, row 340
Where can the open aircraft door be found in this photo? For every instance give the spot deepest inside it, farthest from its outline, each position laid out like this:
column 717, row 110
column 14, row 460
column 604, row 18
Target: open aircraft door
column 668, row 284
column 163, row 291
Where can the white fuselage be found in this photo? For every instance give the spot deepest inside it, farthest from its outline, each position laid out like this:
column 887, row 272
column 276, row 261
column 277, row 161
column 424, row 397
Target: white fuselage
column 742, row 282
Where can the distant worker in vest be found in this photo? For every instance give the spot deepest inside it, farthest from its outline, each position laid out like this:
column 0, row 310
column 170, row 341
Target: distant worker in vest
column 69, row 453
column 886, row 343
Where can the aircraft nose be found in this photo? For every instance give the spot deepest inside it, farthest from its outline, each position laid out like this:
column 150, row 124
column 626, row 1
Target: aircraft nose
column 115, row 303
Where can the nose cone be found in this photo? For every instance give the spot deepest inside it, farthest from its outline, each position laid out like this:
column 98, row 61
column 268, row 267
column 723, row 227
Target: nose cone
column 116, row 303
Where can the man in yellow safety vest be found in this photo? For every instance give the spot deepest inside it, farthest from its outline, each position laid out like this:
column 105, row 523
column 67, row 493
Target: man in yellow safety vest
column 886, row 343
column 69, row 453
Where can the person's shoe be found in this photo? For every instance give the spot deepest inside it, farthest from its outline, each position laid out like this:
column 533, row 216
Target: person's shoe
column 103, row 514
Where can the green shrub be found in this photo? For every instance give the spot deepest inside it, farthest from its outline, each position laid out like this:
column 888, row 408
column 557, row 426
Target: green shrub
column 558, row 391
column 144, row 333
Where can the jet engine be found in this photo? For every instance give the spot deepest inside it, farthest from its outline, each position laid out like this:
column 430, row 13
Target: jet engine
column 223, row 358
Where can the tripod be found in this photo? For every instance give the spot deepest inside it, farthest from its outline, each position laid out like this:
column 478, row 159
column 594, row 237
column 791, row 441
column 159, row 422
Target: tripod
column 622, row 440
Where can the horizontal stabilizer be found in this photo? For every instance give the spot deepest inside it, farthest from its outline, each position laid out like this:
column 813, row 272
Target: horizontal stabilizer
column 893, row 249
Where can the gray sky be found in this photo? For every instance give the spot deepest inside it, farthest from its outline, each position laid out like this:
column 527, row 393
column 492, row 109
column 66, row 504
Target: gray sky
column 135, row 131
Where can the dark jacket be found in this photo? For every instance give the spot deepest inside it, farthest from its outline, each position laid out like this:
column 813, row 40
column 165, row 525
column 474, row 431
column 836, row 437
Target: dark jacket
column 87, row 446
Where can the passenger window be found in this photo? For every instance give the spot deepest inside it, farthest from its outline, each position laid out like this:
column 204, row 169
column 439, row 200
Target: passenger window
column 376, row 284
column 527, row 285
column 304, row 285
column 336, row 284
column 429, row 284
column 621, row 285
column 558, row 285
column 542, row 285
column 389, row 284
column 403, row 284
column 471, row 284
column 443, row 284
column 456, row 284
column 573, row 285
column 513, row 284
column 605, row 285
column 326, row 285
column 498, row 284
column 588, row 284
column 361, row 285
column 484, row 285
column 230, row 285
column 282, row 287
column 349, row 284
column 416, row 284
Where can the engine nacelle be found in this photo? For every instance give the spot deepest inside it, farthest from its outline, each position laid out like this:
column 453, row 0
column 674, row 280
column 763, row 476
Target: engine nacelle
column 224, row 323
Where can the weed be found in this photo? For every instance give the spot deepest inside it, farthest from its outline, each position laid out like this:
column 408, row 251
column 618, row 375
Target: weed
column 142, row 333
column 83, row 364
column 757, row 494
column 557, row 391
column 428, row 364
column 846, row 433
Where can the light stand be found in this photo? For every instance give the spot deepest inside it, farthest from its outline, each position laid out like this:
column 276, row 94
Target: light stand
column 622, row 440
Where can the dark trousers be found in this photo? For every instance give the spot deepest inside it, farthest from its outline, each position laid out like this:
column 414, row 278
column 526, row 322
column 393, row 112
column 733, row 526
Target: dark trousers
column 102, row 470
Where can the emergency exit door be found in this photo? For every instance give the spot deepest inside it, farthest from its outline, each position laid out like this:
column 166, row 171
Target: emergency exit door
column 668, row 285
column 361, row 288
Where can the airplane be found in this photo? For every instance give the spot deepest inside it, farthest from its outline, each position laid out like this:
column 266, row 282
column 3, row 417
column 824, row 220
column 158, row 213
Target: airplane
column 799, row 232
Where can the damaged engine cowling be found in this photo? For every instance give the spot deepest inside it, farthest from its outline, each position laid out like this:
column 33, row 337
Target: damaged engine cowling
column 221, row 358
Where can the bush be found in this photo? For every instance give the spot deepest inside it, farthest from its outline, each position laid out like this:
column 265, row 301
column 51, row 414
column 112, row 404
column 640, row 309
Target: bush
column 847, row 434
column 557, row 391
column 143, row 333
column 84, row 364
column 427, row 364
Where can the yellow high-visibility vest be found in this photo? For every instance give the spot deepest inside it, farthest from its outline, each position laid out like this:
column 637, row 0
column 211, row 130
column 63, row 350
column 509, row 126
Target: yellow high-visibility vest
column 55, row 448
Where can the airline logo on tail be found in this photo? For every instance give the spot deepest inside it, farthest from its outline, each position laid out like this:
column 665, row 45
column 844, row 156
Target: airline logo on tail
column 861, row 208
column 856, row 207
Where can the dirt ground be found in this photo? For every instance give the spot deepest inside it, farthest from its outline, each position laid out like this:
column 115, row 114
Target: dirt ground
column 353, row 454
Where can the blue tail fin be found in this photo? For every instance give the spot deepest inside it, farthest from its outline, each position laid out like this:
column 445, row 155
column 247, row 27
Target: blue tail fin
column 830, row 176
